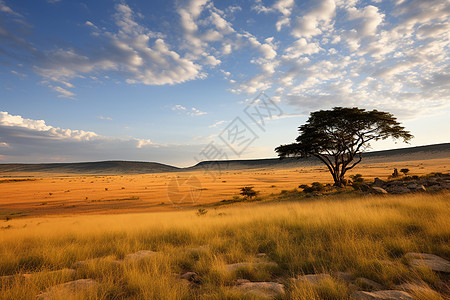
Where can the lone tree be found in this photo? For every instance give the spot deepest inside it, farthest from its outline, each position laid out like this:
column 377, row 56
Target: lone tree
column 339, row 136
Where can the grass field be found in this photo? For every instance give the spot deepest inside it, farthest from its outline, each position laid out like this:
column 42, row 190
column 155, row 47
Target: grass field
column 366, row 235
column 43, row 235
column 46, row 194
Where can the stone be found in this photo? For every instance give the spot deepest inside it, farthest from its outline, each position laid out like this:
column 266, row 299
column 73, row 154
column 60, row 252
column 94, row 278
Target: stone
column 139, row 255
column 367, row 283
column 421, row 188
column 191, row 277
column 263, row 290
column 412, row 186
column 314, row 278
column 378, row 182
column 432, row 261
column 398, row 189
column 251, row 265
column 68, row 288
column 378, row 190
column 411, row 287
column 381, row 295
column 262, row 256
column 345, row 276
column 69, row 272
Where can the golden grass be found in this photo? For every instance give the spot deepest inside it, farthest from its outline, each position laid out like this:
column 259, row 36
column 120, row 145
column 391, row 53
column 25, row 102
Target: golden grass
column 335, row 233
column 76, row 195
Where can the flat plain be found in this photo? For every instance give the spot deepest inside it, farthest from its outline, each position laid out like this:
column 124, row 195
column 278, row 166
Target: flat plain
column 72, row 236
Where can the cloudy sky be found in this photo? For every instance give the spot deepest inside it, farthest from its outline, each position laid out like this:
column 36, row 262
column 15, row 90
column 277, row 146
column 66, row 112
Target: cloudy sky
column 168, row 81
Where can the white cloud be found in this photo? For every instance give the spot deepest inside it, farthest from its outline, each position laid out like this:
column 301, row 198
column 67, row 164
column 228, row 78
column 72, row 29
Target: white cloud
column 190, row 112
column 8, row 120
column 140, row 55
column 369, row 19
column 63, row 93
column 6, row 9
column 217, row 124
column 301, row 47
column 28, row 140
column 316, row 20
column 104, row 118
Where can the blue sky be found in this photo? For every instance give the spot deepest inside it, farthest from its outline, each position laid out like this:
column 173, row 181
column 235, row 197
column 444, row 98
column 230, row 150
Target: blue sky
column 164, row 80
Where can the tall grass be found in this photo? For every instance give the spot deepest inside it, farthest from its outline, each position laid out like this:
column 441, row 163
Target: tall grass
column 366, row 235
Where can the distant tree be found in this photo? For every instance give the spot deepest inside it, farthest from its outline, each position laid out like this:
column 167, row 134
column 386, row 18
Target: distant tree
column 248, row 192
column 404, row 171
column 395, row 173
column 339, row 136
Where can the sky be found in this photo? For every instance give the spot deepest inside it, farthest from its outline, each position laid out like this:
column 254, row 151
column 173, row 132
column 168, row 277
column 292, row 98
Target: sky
column 179, row 82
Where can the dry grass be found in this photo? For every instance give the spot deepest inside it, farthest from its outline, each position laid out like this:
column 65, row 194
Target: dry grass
column 336, row 233
column 137, row 193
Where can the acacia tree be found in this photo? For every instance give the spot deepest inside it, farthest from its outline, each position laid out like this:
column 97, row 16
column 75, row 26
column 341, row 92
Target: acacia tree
column 338, row 137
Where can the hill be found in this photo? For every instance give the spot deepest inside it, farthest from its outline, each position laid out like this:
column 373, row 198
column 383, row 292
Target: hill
column 436, row 151
column 101, row 167
column 137, row 167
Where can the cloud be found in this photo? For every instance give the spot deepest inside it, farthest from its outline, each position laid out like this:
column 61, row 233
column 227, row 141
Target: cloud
column 63, row 93
column 190, row 112
column 15, row 121
column 28, row 140
column 217, row 124
column 140, row 55
column 104, row 118
column 6, row 9
column 318, row 19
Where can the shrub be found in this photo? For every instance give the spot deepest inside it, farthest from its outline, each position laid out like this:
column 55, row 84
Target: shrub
column 201, row 212
column 395, row 173
column 357, row 178
column 248, row 192
column 404, row 171
column 315, row 187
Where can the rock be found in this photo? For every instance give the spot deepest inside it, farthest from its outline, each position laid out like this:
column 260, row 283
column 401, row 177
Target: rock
column 345, row 276
column 191, row 277
column 252, row 265
column 398, row 189
column 412, row 186
column 421, row 188
column 264, row 290
column 62, row 272
column 262, row 256
column 314, row 278
column 139, row 255
column 367, row 283
column 378, row 182
column 381, row 295
column 378, row 190
column 434, row 262
column 411, row 287
column 68, row 288
column 434, row 188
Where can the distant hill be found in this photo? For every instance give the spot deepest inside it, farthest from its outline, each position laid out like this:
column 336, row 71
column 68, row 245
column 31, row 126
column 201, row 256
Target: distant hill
column 403, row 154
column 100, row 167
column 137, row 167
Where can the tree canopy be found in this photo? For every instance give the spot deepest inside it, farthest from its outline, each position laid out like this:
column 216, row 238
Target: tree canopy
column 339, row 136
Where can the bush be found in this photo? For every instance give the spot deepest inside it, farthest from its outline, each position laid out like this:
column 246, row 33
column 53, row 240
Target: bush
column 357, row 178
column 315, row 187
column 248, row 192
column 201, row 212
column 395, row 173
column 404, row 171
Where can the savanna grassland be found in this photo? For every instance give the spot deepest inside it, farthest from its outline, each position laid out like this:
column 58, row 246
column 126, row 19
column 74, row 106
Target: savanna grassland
column 362, row 234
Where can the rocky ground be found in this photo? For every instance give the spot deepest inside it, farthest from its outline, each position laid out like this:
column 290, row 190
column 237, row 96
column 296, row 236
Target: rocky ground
column 410, row 184
column 362, row 288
